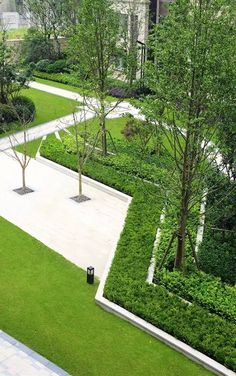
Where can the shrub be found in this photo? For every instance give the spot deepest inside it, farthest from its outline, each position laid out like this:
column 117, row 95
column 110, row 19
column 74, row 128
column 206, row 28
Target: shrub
column 126, row 286
column 202, row 289
column 63, row 78
column 35, row 47
column 25, row 108
column 59, row 66
column 121, row 89
column 43, row 65
column 7, row 116
column 217, row 252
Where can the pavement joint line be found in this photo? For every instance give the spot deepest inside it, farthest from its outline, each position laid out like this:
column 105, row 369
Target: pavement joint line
column 32, row 354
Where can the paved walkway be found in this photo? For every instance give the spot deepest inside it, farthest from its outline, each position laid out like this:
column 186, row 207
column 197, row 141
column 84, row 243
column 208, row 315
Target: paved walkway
column 17, row 359
column 53, row 126
column 83, row 233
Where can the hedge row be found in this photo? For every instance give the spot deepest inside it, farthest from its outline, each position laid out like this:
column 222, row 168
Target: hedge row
column 132, row 166
column 202, row 289
column 126, row 286
column 63, row 78
column 199, row 287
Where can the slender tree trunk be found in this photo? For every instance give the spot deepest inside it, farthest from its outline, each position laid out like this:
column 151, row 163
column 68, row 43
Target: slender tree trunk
column 183, row 215
column 104, row 135
column 23, row 179
column 180, row 252
column 80, row 182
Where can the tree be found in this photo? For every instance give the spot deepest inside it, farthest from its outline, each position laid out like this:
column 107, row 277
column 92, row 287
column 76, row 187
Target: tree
column 96, row 44
column 12, row 78
column 82, row 144
column 51, row 17
column 24, row 117
column 194, row 52
column 141, row 131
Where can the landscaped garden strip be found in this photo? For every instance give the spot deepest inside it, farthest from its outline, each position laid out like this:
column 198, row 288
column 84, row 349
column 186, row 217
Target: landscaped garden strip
column 126, row 285
column 48, row 107
column 47, row 304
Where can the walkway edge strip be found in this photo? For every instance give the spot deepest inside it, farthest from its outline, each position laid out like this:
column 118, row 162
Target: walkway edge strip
column 41, row 359
column 171, row 341
column 93, row 183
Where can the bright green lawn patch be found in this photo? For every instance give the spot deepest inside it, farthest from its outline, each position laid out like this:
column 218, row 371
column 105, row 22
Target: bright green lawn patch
column 46, row 304
column 75, row 89
column 17, row 33
column 32, row 147
column 48, row 106
column 115, row 126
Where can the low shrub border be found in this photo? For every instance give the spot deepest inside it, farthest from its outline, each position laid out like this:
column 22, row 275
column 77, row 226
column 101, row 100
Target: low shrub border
column 126, row 284
column 202, row 289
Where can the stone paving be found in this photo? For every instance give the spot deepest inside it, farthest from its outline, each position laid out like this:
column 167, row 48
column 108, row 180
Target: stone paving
column 83, row 233
column 17, row 359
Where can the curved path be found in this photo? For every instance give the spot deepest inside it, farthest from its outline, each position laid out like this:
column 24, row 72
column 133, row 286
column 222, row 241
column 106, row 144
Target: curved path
column 53, row 126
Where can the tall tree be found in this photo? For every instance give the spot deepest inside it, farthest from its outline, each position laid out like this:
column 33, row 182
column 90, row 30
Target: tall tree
column 12, row 78
column 96, row 43
column 194, row 51
column 52, row 17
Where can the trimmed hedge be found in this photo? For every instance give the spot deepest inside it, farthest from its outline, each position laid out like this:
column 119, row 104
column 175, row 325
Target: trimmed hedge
column 63, row 78
column 202, row 289
column 126, row 286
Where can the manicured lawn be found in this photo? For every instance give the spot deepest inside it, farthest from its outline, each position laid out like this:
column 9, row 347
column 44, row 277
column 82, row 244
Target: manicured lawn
column 48, row 106
column 115, row 126
column 32, row 147
column 75, row 89
column 46, row 304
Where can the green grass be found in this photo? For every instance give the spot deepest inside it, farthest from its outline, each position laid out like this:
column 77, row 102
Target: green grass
column 75, row 89
column 32, row 147
column 46, row 304
column 16, row 33
column 115, row 126
column 48, row 107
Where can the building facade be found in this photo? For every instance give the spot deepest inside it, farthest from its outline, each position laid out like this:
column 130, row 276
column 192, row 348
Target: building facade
column 141, row 15
column 10, row 16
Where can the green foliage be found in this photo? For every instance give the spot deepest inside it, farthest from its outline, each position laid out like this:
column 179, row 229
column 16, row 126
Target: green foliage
column 35, row 47
column 20, row 109
column 25, row 108
column 42, row 65
column 218, row 257
column 6, row 116
column 217, row 252
column 132, row 166
column 12, row 78
column 95, row 43
column 59, row 66
column 54, row 150
column 64, row 78
column 126, row 286
column 202, row 289
column 47, row 66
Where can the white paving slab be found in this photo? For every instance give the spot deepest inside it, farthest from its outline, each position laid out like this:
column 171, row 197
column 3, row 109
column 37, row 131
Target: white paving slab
column 17, row 359
column 83, row 233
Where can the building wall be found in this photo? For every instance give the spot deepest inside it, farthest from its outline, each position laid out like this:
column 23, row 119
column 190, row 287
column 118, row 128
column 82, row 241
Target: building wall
column 140, row 8
column 7, row 6
column 149, row 12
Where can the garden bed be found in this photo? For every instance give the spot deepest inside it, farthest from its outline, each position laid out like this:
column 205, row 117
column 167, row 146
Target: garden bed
column 126, row 285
